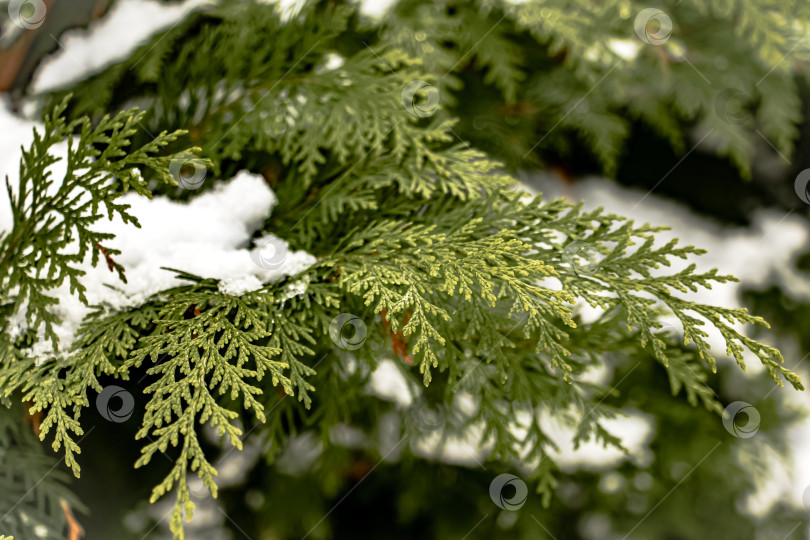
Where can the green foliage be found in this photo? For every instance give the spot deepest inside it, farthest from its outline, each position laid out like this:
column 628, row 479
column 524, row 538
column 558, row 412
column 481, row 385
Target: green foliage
column 417, row 497
column 506, row 341
column 33, row 488
column 530, row 81
column 560, row 73
column 37, row 255
column 424, row 239
column 192, row 357
column 52, row 233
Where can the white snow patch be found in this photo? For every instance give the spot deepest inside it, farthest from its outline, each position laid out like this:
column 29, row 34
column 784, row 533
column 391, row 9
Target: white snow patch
column 17, row 132
column 208, row 236
column 634, row 428
column 375, row 8
column 467, row 449
column 461, row 451
column 299, row 454
column 113, row 38
column 387, row 382
column 625, row 48
column 239, row 286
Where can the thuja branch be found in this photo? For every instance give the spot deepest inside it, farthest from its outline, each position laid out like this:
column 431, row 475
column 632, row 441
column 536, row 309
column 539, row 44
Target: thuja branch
column 52, row 230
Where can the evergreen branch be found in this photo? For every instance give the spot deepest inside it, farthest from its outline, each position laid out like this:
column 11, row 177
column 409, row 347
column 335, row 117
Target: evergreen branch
column 52, row 230
column 192, row 357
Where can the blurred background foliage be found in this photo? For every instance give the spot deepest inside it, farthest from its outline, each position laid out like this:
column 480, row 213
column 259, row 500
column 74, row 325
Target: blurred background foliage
column 563, row 86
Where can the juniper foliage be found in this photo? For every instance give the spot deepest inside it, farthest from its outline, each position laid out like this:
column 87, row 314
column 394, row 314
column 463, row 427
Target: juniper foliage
column 536, row 82
column 426, row 240
column 542, row 80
